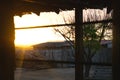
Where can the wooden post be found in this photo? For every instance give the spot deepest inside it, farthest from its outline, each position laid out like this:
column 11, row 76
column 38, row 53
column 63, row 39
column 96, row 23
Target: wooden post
column 116, row 40
column 78, row 44
column 7, row 52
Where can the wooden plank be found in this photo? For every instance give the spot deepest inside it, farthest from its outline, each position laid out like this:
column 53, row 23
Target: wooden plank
column 116, row 40
column 7, row 52
column 78, row 43
column 60, row 25
column 56, row 5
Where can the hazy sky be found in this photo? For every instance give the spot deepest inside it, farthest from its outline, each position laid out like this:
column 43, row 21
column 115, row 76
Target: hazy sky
column 34, row 36
column 38, row 35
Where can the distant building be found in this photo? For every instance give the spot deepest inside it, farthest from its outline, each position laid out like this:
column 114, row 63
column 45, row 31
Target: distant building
column 57, row 51
column 105, row 52
column 106, row 43
column 63, row 51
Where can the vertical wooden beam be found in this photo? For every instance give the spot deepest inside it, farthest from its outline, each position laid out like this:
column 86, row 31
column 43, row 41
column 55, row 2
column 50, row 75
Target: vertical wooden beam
column 116, row 40
column 7, row 52
column 78, row 43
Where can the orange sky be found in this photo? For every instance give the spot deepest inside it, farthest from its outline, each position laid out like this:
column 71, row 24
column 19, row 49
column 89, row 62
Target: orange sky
column 28, row 37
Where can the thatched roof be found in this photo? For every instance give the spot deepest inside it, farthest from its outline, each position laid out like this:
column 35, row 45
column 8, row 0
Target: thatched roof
column 38, row 6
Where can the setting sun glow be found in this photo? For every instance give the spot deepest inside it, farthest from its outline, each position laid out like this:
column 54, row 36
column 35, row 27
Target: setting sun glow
column 27, row 37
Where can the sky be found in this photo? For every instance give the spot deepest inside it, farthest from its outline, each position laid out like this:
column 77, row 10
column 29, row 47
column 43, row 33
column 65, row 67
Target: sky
column 28, row 37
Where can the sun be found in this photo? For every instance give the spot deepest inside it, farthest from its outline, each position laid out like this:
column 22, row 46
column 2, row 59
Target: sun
column 28, row 37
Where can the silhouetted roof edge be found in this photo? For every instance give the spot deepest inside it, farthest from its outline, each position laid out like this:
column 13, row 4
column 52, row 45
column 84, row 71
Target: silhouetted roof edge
column 38, row 6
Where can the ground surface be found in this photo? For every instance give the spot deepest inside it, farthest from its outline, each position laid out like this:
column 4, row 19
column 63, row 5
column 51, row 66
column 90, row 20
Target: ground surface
column 46, row 74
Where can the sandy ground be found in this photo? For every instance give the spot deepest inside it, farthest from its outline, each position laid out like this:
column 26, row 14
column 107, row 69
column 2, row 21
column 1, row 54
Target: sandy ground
column 46, row 74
